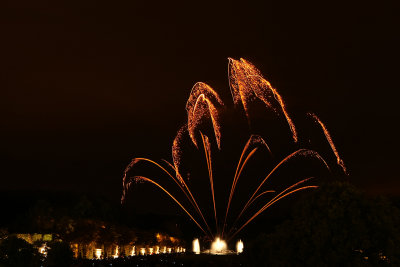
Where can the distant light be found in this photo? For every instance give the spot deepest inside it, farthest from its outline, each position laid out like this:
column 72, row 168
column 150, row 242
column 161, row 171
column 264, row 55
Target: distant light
column 43, row 249
column 218, row 246
column 116, row 253
column 142, row 251
column 98, row 253
column 196, row 246
column 239, row 246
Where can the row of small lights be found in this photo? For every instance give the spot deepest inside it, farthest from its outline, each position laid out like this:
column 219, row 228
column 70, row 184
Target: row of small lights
column 143, row 252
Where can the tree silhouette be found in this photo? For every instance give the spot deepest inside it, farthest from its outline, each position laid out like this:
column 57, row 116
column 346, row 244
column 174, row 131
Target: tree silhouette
column 59, row 254
column 17, row 252
column 334, row 226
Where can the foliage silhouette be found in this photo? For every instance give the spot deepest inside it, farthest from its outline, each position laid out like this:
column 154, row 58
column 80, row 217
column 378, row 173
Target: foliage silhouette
column 59, row 254
column 17, row 252
column 333, row 226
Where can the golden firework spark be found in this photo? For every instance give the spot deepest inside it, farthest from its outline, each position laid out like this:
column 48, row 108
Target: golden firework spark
column 202, row 102
column 246, row 84
column 145, row 179
column 254, row 140
column 330, row 141
column 207, row 151
column 176, row 149
column 297, row 153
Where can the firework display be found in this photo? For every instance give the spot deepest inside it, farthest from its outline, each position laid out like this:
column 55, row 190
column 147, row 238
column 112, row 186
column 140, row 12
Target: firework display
column 247, row 85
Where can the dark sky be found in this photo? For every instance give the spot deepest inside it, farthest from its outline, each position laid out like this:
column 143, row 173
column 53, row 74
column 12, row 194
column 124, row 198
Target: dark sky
column 87, row 85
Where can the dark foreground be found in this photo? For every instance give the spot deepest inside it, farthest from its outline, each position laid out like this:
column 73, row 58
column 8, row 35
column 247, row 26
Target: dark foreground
column 167, row 260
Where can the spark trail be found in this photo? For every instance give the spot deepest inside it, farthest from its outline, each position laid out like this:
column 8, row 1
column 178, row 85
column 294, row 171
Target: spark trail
column 330, row 141
column 301, row 153
column 253, row 140
column 178, row 180
column 145, row 179
column 247, row 85
column 176, row 149
column 207, row 151
column 202, row 101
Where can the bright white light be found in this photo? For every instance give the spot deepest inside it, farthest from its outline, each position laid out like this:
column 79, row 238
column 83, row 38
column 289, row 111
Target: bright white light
column 98, row 253
column 218, row 246
column 142, row 251
column 42, row 250
column 239, row 246
column 133, row 251
column 196, row 246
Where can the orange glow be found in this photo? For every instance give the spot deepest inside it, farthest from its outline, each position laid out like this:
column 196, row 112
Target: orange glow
column 43, row 249
column 178, row 180
column 176, row 149
column 300, row 152
column 133, row 251
column 98, row 253
column 191, row 198
column 253, row 140
column 274, row 200
column 159, row 237
column 202, row 100
column 330, row 141
column 247, row 83
column 207, row 151
column 145, row 179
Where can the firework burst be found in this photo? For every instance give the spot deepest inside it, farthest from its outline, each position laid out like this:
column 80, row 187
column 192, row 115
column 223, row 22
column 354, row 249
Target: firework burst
column 247, row 85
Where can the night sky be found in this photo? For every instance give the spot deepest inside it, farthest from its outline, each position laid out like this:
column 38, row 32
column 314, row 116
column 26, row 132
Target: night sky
column 87, row 85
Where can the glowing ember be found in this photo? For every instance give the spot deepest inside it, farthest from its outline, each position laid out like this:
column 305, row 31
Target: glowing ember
column 218, row 246
column 142, row 251
column 196, row 246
